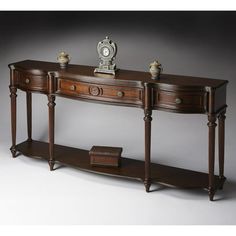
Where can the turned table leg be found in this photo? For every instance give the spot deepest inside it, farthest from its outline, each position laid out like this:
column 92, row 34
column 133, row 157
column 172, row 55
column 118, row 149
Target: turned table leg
column 13, row 96
column 29, row 114
column 51, row 110
column 221, row 133
column 211, row 154
column 147, row 121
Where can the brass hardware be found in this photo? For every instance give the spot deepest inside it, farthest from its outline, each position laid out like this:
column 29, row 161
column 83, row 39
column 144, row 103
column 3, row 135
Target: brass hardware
column 27, row 81
column 73, row 87
column 178, row 101
column 120, row 94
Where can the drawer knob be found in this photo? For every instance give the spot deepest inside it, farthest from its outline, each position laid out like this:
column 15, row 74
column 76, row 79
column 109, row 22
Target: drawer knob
column 178, row 101
column 72, row 87
column 27, row 81
column 120, row 94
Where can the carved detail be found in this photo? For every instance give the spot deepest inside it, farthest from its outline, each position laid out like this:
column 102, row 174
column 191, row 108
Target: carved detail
column 51, row 101
column 95, row 91
column 147, row 115
column 222, row 116
column 221, row 133
column 13, row 91
column 211, row 121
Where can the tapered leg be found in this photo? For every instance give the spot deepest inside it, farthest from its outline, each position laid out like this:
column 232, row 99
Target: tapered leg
column 221, row 133
column 29, row 114
column 147, row 120
column 13, row 96
column 211, row 154
column 51, row 106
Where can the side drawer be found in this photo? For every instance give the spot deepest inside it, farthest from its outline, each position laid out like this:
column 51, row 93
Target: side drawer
column 181, row 101
column 32, row 82
column 101, row 92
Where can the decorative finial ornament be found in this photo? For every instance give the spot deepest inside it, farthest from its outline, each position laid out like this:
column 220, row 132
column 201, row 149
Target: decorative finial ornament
column 107, row 50
column 63, row 59
column 155, row 69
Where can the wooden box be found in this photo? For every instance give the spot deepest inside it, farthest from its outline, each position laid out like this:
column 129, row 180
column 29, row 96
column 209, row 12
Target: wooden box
column 105, row 156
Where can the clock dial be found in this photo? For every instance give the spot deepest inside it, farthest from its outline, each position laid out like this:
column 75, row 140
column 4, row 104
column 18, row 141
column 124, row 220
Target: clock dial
column 105, row 52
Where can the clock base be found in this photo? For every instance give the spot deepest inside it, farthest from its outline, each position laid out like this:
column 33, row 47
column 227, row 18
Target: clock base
column 105, row 71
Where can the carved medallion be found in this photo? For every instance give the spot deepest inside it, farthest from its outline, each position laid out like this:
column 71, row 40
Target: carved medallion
column 94, row 90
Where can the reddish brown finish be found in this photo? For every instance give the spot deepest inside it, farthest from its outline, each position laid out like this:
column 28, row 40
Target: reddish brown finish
column 132, row 77
column 27, row 82
column 130, row 168
column 147, row 122
column 180, row 101
column 29, row 114
column 51, row 112
column 105, row 156
column 116, row 94
column 221, row 135
column 211, row 154
column 183, row 94
column 13, row 96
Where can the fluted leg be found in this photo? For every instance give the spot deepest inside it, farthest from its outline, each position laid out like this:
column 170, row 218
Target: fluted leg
column 211, row 154
column 221, row 133
column 29, row 114
column 13, row 96
column 51, row 106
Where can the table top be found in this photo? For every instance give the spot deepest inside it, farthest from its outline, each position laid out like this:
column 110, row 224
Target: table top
column 42, row 67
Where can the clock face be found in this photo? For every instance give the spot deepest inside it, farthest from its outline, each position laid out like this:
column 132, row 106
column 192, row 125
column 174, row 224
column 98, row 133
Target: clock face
column 105, row 52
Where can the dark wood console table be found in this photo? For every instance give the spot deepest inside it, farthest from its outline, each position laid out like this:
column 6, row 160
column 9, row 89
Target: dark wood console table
column 170, row 93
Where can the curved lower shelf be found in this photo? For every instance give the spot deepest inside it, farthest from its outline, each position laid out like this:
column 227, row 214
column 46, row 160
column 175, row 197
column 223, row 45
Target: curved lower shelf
column 130, row 168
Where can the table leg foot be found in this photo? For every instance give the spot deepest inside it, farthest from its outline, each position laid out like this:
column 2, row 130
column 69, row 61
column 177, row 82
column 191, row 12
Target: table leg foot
column 222, row 181
column 147, row 184
column 51, row 164
column 211, row 193
column 13, row 151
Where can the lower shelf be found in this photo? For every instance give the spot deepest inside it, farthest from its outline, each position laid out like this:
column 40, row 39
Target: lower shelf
column 130, row 168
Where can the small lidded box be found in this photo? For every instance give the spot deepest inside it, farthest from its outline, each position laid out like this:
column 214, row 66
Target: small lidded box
column 105, row 156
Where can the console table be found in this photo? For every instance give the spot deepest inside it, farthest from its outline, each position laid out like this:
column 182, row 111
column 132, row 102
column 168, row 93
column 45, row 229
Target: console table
column 171, row 93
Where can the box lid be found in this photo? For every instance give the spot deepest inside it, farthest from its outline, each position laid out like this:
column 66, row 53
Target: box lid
column 105, row 151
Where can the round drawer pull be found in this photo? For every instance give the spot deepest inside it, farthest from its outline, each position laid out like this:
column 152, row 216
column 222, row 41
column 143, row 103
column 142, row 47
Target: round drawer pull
column 72, row 87
column 178, row 101
column 120, row 94
column 27, row 81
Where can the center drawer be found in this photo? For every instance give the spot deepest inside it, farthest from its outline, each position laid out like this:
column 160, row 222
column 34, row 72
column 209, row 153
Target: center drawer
column 101, row 92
